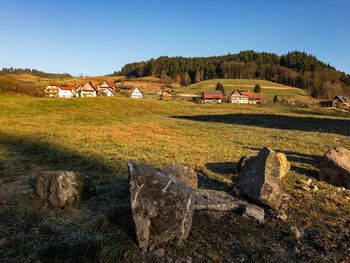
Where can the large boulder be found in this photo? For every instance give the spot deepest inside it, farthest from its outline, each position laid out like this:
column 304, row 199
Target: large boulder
column 63, row 188
column 185, row 173
column 335, row 167
column 259, row 178
column 162, row 205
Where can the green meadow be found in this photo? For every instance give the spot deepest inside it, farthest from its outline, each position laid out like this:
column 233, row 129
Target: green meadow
column 97, row 136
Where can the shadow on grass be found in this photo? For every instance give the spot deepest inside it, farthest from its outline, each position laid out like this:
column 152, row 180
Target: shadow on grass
column 223, row 168
column 26, row 156
column 283, row 122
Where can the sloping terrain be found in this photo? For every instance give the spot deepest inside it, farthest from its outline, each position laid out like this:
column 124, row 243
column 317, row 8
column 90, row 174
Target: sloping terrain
column 97, row 136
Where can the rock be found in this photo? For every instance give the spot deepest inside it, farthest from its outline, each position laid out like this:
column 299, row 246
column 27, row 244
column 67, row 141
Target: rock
column 215, row 200
column 284, row 164
column 242, row 162
column 282, row 216
column 63, row 188
column 335, row 167
column 185, row 173
column 297, row 234
column 255, row 212
column 260, row 177
column 162, row 205
column 159, row 253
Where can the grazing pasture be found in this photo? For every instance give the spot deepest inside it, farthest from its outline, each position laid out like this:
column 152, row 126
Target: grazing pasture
column 97, row 136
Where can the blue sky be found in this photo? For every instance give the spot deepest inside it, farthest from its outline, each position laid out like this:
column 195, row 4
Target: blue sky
column 98, row 37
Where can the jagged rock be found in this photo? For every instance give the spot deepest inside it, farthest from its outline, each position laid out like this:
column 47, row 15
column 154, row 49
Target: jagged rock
column 297, row 234
column 282, row 216
column 162, row 205
column 335, row 167
column 215, row 200
column 254, row 211
column 260, row 177
column 63, row 188
column 284, row 164
column 242, row 162
column 185, row 173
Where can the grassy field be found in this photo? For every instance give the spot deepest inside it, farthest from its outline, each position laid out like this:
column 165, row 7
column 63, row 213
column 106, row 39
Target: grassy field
column 97, row 136
column 270, row 89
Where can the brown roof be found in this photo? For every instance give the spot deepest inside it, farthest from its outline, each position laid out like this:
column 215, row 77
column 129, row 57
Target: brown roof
column 64, row 87
column 217, row 94
column 253, row 95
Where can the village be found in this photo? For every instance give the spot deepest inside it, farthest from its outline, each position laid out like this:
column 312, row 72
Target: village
column 237, row 96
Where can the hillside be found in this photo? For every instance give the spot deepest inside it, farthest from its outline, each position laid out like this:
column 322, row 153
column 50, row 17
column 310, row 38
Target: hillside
column 269, row 89
column 97, row 136
column 297, row 69
column 32, row 85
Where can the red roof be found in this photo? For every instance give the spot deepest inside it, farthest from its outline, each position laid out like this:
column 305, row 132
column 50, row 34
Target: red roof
column 63, row 87
column 217, row 94
column 253, row 95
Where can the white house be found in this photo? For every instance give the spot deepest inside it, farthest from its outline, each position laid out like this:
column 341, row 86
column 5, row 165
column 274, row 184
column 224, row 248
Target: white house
column 237, row 97
column 60, row 91
column 105, row 89
column 87, row 90
column 136, row 93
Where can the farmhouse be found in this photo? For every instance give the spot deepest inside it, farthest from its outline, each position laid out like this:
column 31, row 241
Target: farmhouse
column 60, row 91
column 136, row 93
column 167, row 94
column 105, row 89
column 212, row 96
column 87, row 90
column 237, row 97
column 338, row 101
column 244, row 96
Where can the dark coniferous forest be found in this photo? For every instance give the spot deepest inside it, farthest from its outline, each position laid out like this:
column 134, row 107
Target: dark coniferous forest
column 296, row 69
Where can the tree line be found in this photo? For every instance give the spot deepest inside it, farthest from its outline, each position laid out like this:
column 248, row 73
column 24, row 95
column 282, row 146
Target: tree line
column 296, row 69
column 33, row 72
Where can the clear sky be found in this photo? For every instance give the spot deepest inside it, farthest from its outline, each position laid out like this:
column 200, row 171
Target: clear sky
column 98, row 37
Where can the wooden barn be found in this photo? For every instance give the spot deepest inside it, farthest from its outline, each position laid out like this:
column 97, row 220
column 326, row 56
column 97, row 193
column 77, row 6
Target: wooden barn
column 338, row 102
column 215, row 96
column 167, row 94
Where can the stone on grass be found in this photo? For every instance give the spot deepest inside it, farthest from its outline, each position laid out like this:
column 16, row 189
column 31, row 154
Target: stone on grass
column 297, row 234
column 254, row 211
column 63, row 188
column 284, row 164
column 260, row 177
column 162, row 205
column 205, row 199
column 185, row 173
column 335, row 167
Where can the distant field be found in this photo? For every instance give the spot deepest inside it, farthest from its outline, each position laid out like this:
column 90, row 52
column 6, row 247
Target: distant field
column 97, row 136
column 270, row 89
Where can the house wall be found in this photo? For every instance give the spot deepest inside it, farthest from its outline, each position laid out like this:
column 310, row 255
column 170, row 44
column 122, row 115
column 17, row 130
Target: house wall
column 65, row 93
column 136, row 94
column 87, row 93
column 239, row 99
column 212, row 101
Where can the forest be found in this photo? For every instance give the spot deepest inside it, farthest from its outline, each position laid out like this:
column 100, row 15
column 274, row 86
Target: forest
column 296, row 69
column 33, row 72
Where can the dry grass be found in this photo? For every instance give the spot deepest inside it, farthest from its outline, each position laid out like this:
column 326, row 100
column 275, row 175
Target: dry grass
column 97, row 136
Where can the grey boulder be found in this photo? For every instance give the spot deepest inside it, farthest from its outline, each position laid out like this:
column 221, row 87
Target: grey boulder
column 63, row 188
column 185, row 173
column 335, row 167
column 162, row 205
column 259, row 178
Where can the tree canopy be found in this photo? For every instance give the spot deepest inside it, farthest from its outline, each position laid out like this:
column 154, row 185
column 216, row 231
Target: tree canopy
column 297, row 69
